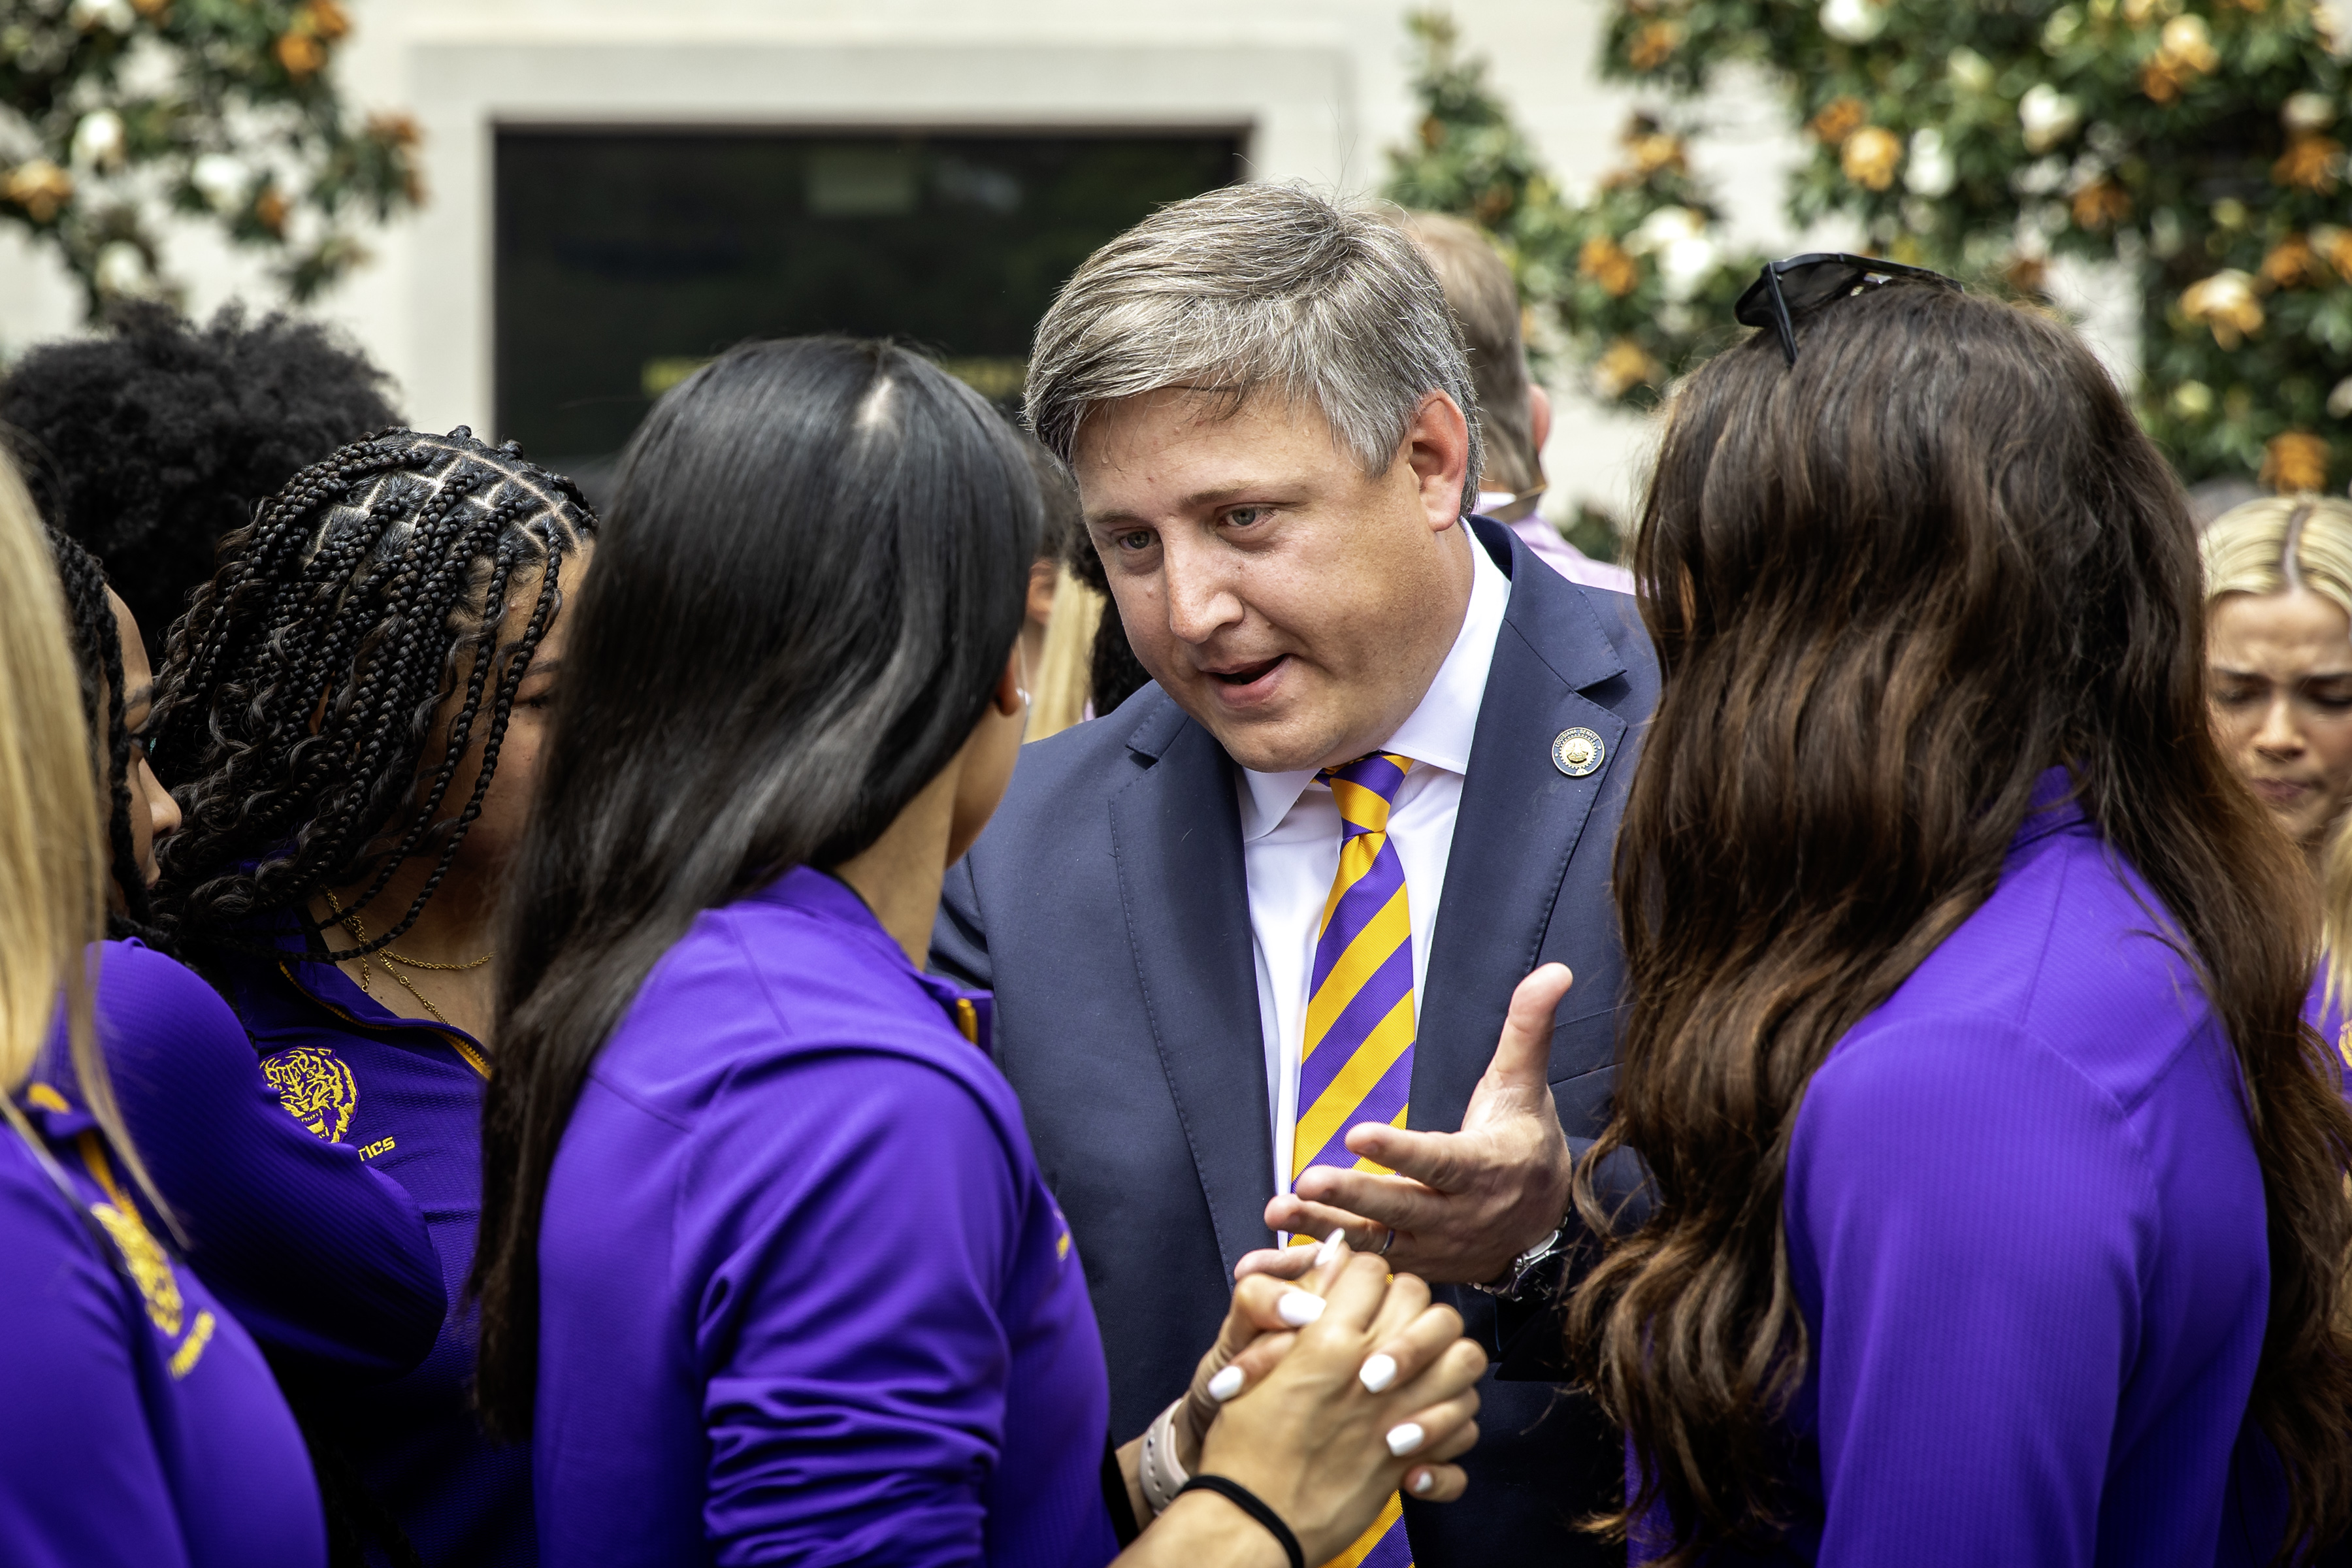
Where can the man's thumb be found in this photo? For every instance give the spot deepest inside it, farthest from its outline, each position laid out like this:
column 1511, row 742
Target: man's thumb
column 1523, row 1058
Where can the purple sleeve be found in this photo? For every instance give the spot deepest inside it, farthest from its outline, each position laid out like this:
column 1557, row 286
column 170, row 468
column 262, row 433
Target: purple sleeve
column 851, row 1328
column 81, row 1485
column 1970, row 1219
column 316, row 1255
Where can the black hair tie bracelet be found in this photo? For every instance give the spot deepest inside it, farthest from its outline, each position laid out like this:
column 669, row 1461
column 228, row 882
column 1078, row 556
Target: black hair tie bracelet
column 1250, row 1503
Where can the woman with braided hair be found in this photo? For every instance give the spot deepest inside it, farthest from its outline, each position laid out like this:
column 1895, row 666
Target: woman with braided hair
column 351, row 718
column 118, row 693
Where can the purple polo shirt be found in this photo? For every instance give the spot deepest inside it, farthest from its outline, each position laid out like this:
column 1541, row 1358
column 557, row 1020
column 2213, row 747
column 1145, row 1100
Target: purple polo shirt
column 325, row 1261
column 2026, row 1228
column 406, row 1095
column 139, row 1425
column 804, row 1296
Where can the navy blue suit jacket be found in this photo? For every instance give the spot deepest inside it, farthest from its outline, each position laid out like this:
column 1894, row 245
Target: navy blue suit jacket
column 1107, row 908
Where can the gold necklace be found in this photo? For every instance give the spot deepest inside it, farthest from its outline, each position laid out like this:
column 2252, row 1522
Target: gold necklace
column 350, row 923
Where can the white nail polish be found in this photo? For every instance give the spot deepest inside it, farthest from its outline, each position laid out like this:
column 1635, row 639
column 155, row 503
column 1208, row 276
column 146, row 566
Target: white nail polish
column 1299, row 1308
column 1404, row 1439
column 1225, row 1385
column 1379, row 1372
column 1333, row 1245
column 1424, row 1483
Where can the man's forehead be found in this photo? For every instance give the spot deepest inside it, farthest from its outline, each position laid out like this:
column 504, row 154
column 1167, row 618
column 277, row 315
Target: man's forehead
column 1175, row 417
column 1201, row 446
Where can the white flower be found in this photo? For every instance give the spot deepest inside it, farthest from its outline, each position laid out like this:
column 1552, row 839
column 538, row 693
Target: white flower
column 1971, row 71
column 123, row 269
column 2309, row 111
column 1664, row 227
column 220, row 179
column 1931, row 172
column 2340, row 401
column 1684, row 265
column 1852, row 21
column 2060, row 30
column 2038, row 178
column 114, row 15
column 1677, row 236
column 2194, row 399
column 2048, row 117
column 2188, row 38
column 98, row 140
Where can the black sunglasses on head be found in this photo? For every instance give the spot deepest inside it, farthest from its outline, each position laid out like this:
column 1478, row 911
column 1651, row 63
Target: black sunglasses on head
column 1810, row 282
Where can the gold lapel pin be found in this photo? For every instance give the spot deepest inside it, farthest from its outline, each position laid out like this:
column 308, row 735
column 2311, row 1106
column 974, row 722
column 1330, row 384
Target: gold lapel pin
column 1576, row 751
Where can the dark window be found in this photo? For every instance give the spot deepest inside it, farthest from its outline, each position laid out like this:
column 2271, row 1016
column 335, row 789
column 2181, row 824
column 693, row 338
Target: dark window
column 626, row 257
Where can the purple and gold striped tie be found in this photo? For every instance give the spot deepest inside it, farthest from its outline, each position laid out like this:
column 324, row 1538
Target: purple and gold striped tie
column 1356, row 1065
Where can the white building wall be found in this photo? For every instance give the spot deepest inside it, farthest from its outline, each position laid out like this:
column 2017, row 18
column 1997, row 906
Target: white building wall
column 1323, row 88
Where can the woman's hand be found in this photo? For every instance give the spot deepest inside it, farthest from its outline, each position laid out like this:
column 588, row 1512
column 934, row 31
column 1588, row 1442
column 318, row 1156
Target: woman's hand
column 1253, row 1341
column 1374, row 1389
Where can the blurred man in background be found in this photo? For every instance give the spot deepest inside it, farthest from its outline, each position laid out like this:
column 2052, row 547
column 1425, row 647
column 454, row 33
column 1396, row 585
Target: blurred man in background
column 1514, row 412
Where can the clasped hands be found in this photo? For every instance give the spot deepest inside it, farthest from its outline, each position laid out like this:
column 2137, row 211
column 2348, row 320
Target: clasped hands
column 1321, row 1397
column 1462, row 1204
column 1270, row 1404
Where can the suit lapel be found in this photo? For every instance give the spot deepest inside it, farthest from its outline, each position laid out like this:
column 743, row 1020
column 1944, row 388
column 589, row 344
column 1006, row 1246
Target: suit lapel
column 1519, row 821
column 1176, row 834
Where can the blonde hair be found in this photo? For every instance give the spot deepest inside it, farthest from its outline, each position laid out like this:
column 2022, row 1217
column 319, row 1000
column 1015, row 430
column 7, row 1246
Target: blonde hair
column 53, row 856
column 2246, row 548
column 2275, row 546
column 1065, row 672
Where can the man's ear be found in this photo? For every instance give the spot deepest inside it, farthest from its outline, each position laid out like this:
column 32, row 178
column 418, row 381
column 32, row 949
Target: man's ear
column 1437, row 444
column 1538, row 421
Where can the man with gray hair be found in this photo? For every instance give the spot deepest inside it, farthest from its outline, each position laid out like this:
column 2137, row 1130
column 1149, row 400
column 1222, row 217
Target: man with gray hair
column 1254, row 935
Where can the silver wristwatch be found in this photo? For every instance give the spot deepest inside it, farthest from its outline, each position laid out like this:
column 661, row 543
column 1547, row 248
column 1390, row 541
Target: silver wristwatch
column 1512, row 1284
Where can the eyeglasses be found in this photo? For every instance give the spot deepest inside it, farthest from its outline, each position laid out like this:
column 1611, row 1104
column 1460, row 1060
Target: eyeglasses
column 1810, row 282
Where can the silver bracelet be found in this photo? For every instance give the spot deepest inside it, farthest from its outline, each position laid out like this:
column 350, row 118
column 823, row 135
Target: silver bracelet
column 1162, row 1474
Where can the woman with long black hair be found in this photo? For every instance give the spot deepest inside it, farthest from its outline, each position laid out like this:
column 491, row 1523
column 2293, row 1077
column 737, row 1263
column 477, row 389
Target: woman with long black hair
column 2000, row 1209
column 350, row 718
column 769, row 1271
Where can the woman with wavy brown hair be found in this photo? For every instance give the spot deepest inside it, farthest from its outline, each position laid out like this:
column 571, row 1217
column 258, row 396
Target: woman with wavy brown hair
column 2000, row 1206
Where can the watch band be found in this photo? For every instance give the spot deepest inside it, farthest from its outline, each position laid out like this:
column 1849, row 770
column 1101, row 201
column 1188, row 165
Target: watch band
column 1511, row 1284
column 1161, row 1474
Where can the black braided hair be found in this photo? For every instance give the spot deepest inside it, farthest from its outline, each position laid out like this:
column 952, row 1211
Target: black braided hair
column 298, row 696
column 98, row 656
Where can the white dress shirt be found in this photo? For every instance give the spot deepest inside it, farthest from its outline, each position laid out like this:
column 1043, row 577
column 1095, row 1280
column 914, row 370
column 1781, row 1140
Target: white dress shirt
column 1290, row 845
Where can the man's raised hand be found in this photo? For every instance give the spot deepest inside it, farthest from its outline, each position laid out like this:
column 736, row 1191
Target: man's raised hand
column 1462, row 1204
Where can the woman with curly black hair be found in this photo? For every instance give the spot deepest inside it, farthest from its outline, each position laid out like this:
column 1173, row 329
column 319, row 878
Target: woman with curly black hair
column 352, row 715
column 148, row 443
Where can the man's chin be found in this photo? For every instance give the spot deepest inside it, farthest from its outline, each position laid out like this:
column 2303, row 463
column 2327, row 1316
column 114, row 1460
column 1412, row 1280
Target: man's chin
column 1267, row 745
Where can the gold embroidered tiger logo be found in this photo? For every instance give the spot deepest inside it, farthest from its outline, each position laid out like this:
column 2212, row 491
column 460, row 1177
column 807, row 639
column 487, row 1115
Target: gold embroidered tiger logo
column 316, row 1088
